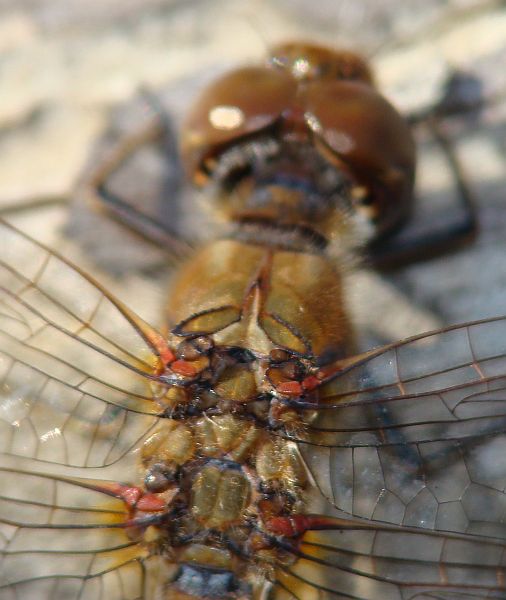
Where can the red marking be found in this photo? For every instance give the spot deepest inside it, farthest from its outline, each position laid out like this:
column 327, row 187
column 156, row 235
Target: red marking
column 289, row 526
column 290, row 388
column 131, row 495
column 297, row 525
column 183, row 367
column 134, row 497
column 330, row 370
column 114, row 489
column 311, row 382
column 150, row 503
column 159, row 344
column 167, row 355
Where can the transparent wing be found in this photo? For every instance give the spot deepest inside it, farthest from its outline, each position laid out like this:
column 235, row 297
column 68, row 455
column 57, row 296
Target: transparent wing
column 411, row 434
column 60, row 538
column 75, row 364
column 414, row 433
column 75, row 369
column 362, row 561
column 121, row 583
column 448, row 384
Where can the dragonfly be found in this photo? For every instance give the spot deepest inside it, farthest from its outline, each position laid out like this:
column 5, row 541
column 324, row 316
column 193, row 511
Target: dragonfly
column 249, row 451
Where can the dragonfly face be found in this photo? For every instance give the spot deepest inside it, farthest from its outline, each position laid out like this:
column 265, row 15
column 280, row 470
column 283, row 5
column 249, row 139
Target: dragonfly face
column 249, row 452
column 292, row 140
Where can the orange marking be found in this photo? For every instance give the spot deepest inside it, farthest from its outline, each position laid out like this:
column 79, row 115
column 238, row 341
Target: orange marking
column 311, row 382
column 290, row 388
column 289, row 526
column 159, row 344
column 183, row 367
column 114, row 489
column 167, row 355
column 442, row 575
column 150, row 503
column 328, row 371
column 131, row 495
column 297, row 525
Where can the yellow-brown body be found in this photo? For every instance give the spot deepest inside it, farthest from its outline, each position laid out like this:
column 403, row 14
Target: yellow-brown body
column 237, row 473
column 245, row 293
column 301, row 156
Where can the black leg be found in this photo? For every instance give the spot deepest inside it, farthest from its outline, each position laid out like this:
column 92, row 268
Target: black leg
column 96, row 190
column 461, row 96
column 142, row 224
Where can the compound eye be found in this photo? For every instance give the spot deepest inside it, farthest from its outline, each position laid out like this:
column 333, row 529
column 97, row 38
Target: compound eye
column 355, row 128
column 311, row 62
column 239, row 104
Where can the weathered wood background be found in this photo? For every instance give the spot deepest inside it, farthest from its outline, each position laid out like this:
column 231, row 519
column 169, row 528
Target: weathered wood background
column 65, row 67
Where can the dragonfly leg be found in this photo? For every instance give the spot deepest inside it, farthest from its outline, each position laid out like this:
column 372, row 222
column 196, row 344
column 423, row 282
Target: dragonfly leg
column 97, row 192
column 461, row 96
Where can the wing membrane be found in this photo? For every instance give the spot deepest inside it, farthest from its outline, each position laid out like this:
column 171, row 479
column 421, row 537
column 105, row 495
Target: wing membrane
column 124, row 582
column 46, row 292
column 61, row 537
column 364, row 562
column 414, row 433
column 442, row 385
column 75, row 364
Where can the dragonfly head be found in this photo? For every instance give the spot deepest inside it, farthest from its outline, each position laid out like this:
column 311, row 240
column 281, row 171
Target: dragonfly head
column 303, row 141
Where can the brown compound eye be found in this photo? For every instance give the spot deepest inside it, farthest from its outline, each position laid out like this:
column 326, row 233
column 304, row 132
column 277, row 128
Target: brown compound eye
column 239, row 104
column 360, row 132
column 310, row 61
column 316, row 95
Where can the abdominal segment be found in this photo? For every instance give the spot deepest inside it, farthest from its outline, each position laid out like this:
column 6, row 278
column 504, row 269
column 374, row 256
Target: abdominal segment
column 234, row 479
column 221, row 458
